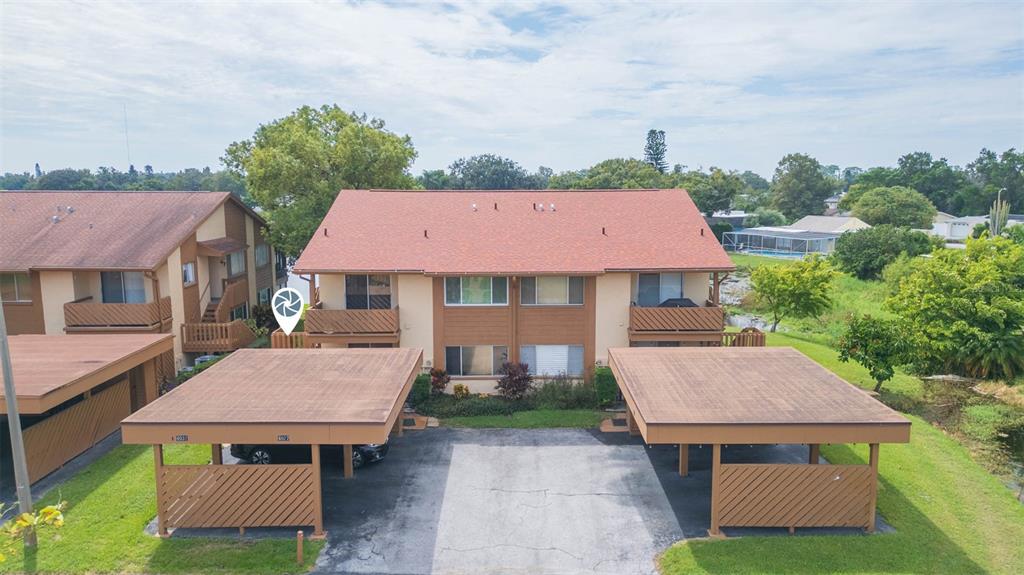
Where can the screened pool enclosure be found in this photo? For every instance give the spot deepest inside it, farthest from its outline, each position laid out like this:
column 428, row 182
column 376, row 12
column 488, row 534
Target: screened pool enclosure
column 779, row 241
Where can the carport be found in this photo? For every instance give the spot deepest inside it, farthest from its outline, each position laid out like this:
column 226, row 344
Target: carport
column 270, row 396
column 751, row 396
column 73, row 390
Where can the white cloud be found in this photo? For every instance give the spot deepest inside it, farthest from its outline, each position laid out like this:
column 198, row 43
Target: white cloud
column 734, row 85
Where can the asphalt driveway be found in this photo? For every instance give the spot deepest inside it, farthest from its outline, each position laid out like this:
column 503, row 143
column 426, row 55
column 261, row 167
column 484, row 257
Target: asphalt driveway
column 520, row 501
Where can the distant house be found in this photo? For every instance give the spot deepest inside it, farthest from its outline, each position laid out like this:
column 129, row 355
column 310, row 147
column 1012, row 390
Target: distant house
column 810, row 234
column 734, row 218
column 832, row 204
column 952, row 228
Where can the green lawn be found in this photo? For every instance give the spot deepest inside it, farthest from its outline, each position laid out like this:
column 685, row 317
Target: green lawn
column 537, row 418
column 951, row 516
column 109, row 505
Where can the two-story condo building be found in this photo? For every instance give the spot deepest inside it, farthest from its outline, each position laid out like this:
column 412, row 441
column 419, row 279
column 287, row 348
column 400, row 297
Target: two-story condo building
column 189, row 263
column 552, row 278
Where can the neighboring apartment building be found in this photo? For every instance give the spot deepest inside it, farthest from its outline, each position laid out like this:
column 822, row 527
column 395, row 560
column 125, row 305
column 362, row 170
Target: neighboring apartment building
column 188, row 263
column 551, row 278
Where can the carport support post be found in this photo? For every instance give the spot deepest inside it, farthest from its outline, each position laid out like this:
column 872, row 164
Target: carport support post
column 217, row 456
column 684, row 459
column 346, row 460
column 634, row 430
column 873, row 462
column 397, row 429
column 716, row 477
column 318, row 515
column 814, row 454
column 158, row 464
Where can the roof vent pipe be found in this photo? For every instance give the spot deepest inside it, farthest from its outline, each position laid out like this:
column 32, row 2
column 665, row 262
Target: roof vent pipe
column 552, row 207
column 535, row 206
column 603, row 232
column 425, row 233
column 474, row 207
column 325, row 232
column 702, row 232
column 495, row 205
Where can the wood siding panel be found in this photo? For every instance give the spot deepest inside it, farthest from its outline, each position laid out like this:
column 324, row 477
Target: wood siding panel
column 205, row 496
column 59, row 438
column 27, row 317
column 264, row 275
column 143, row 315
column 673, row 319
column 234, row 221
column 783, row 495
column 190, row 294
column 540, row 325
column 477, row 325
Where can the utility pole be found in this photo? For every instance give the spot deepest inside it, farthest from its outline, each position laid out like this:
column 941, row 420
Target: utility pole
column 14, row 421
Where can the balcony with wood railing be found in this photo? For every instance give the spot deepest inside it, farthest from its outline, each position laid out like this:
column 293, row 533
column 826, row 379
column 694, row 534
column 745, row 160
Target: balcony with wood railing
column 365, row 322
column 213, row 337
column 676, row 319
column 87, row 315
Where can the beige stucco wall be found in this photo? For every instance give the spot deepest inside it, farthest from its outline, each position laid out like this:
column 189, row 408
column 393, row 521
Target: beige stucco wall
column 213, row 227
column 175, row 291
column 250, row 259
column 332, row 290
column 416, row 312
column 57, row 288
column 612, row 311
column 695, row 287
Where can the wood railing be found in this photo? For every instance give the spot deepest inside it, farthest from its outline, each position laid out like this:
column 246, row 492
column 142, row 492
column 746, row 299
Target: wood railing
column 788, row 495
column 238, row 496
column 211, row 337
column 282, row 340
column 85, row 313
column 749, row 337
column 235, row 294
column 352, row 321
column 675, row 319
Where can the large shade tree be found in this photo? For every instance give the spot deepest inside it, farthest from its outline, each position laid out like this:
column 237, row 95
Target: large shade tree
column 295, row 166
column 799, row 187
column 899, row 206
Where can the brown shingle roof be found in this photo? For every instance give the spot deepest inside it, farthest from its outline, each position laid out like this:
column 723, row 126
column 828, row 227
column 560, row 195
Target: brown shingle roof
column 589, row 231
column 105, row 230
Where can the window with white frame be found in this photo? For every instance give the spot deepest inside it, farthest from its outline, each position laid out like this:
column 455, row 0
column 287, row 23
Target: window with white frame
column 475, row 359
column 188, row 273
column 263, row 296
column 476, row 290
column 655, row 289
column 240, row 312
column 236, row 263
column 552, row 360
column 123, row 287
column 15, row 287
column 262, row 255
column 551, row 290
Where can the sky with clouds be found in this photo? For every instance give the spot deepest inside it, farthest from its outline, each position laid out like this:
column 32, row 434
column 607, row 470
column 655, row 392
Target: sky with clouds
column 734, row 85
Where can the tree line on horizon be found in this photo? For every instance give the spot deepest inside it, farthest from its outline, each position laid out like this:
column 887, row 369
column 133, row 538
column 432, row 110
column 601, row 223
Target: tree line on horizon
column 293, row 167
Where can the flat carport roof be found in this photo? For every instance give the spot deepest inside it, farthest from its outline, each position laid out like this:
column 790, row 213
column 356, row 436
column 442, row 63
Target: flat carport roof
column 51, row 369
column 752, row 395
column 302, row 396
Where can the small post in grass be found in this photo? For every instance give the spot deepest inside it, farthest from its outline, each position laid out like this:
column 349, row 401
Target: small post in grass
column 298, row 546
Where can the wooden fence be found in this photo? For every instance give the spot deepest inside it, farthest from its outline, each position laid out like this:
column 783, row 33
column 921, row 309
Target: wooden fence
column 787, row 495
column 674, row 319
column 86, row 313
column 352, row 321
column 239, row 496
column 281, row 340
column 210, row 337
column 62, row 436
column 749, row 337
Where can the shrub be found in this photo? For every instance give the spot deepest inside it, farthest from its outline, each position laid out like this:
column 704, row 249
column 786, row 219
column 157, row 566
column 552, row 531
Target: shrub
column 796, row 290
column 720, row 228
column 563, row 392
column 864, row 253
column 445, row 406
column 264, row 316
column 898, row 269
column 876, row 344
column 990, row 421
column 460, row 391
column 420, row 391
column 765, row 217
column 515, row 381
column 439, row 379
column 606, row 386
column 257, row 330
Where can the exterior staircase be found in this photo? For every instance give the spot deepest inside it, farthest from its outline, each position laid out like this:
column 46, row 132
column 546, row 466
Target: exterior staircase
column 210, row 314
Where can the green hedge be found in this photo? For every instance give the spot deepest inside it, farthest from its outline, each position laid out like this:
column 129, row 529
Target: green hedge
column 420, row 391
column 555, row 394
column 446, row 405
column 607, row 388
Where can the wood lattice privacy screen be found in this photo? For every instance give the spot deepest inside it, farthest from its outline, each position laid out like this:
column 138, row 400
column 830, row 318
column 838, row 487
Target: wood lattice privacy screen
column 238, row 496
column 53, row 441
column 785, row 495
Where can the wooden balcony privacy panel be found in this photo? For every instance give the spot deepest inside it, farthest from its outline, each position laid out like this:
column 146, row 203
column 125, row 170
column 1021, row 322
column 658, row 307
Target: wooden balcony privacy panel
column 237, row 496
column 281, row 340
column 235, row 294
column 676, row 319
column 94, row 314
column 57, row 439
column 210, row 337
column 786, row 495
column 352, row 321
column 749, row 337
